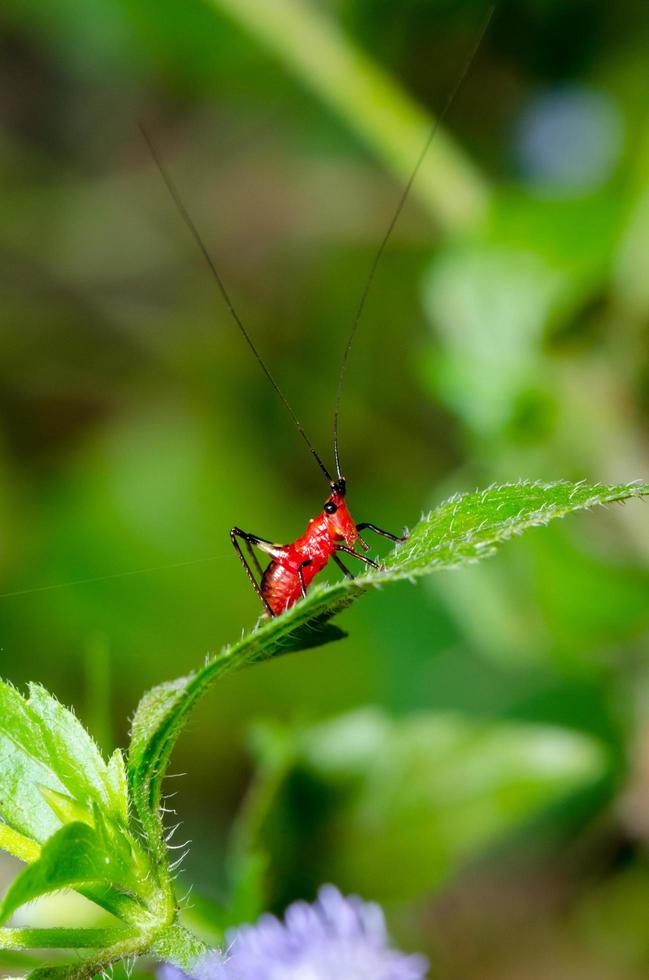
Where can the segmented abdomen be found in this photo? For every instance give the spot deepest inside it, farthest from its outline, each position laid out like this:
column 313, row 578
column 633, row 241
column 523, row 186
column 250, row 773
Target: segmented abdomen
column 280, row 587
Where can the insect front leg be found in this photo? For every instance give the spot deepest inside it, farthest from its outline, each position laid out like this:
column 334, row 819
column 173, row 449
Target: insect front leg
column 343, row 568
column 355, row 554
column 379, row 530
column 267, row 546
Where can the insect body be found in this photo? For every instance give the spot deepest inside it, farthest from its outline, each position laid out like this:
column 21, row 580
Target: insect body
column 293, row 566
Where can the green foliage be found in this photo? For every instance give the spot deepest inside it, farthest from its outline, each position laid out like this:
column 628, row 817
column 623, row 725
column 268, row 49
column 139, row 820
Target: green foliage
column 44, row 746
column 75, row 855
column 74, row 756
column 18, row 845
column 465, row 529
column 65, row 811
column 506, row 328
column 401, row 805
column 368, row 100
column 469, row 527
column 399, row 781
column 519, row 312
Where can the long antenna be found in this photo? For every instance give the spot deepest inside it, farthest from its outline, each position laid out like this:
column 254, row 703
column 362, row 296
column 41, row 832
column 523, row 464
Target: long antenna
column 184, row 213
column 395, row 217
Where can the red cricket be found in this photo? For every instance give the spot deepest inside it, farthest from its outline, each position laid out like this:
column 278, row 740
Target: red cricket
column 292, row 567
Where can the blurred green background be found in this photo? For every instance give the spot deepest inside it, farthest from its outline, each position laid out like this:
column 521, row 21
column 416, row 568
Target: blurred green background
column 491, row 784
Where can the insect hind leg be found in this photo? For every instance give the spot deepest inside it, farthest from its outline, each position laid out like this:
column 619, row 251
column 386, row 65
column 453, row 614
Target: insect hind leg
column 300, row 573
column 253, row 556
column 251, row 539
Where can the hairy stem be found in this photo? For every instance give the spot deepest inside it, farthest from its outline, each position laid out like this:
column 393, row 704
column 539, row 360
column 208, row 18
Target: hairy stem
column 17, row 939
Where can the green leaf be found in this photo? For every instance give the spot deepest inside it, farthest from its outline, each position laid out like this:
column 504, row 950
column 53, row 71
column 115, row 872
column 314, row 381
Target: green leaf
column 120, row 905
column 75, row 855
column 117, row 785
column 44, row 747
column 401, row 805
column 71, row 751
column 463, row 530
column 51, row 774
column 65, row 808
column 489, row 306
column 18, row 845
column 23, row 771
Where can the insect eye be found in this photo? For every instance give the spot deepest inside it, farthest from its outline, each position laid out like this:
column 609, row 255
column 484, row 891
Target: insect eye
column 330, row 508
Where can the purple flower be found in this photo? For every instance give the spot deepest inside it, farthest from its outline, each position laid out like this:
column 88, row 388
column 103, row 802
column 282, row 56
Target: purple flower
column 336, row 938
